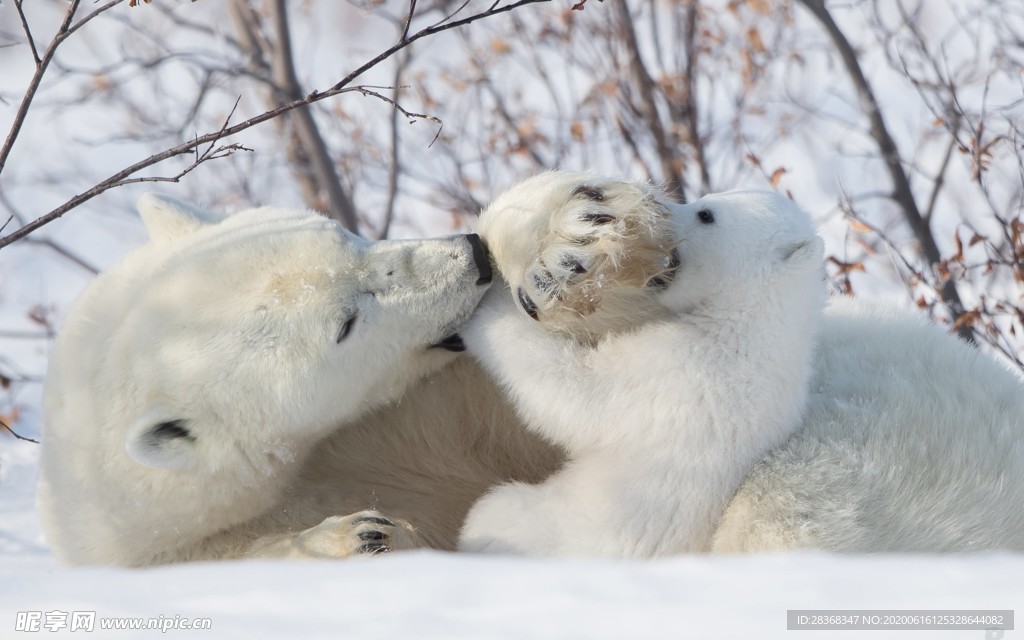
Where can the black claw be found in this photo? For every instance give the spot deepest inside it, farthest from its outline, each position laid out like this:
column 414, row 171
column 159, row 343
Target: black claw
column 372, row 535
column 544, row 281
column 373, row 548
column 665, row 278
column 573, row 265
column 598, row 218
column 375, row 520
column 529, row 306
column 674, row 260
column 589, row 192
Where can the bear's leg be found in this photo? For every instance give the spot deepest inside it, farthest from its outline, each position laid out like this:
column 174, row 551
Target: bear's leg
column 513, row 518
column 586, row 509
column 362, row 533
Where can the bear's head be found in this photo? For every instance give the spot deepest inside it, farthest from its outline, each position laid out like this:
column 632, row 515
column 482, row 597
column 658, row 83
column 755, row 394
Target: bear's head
column 244, row 337
column 587, row 255
column 739, row 249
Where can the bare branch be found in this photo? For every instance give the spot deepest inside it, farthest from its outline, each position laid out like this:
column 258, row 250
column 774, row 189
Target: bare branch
column 667, row 155
column 692, row 120
column 33, row 85
column 28, row 31
column 940, row 179
column 46, row 242
column 15, row 433
column 452, row 14
column 186, row 147
column 339, row 203
column 394, row 167
column 408, row 23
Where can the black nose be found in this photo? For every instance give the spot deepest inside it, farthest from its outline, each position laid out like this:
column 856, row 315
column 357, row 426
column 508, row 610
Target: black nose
column 481, row 258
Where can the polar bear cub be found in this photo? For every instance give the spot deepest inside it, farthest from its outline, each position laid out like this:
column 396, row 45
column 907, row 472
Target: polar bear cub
column 661, row 423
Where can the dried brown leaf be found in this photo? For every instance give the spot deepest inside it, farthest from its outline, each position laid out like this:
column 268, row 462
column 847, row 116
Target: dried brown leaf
column 859, row 226
column 754, row 38
column 777, row 175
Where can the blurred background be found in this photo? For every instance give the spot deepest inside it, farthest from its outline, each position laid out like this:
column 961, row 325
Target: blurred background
column 898, row 124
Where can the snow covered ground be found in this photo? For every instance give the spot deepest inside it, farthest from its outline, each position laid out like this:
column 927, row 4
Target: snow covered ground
column 425, row 595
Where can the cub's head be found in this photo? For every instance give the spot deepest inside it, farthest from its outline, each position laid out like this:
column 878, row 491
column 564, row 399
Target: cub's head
column 254, row 330
column 742, row 248
column 588, row 255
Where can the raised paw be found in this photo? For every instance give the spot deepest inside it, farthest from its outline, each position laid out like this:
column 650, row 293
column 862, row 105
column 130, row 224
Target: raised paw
column 602, row 245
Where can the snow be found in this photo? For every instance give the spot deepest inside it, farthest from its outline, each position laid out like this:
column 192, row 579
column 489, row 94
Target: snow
column 429, row 594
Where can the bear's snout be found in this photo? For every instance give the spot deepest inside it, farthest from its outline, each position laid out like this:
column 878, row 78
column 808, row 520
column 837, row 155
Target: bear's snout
column 481, row 258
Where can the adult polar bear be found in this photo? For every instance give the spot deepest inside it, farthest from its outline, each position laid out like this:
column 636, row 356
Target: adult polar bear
column 200, row 405
column 195, row 394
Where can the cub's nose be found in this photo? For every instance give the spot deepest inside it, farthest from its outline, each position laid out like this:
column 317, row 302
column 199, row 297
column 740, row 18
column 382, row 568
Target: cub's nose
column 481, row 258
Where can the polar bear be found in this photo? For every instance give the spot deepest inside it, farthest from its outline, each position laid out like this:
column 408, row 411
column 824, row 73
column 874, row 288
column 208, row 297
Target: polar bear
column 663, row 423
column 911, row 440
column 266, row 384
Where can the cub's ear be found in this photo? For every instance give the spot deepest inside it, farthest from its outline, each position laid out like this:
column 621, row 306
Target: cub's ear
column 167, row 218
column 158, row 440
column 801, row 252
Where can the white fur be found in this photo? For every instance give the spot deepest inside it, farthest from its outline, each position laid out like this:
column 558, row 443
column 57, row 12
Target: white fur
column 193, row 385
column 662, row 423
column 911, row 439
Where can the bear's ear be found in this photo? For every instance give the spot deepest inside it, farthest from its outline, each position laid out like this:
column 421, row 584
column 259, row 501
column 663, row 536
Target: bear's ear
column 801, row 252
column 167, row 218
column 158, row 440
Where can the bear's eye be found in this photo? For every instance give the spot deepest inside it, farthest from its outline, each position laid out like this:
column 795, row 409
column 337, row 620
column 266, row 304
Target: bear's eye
column 346, row 329
column 705, row 216
column 591, row 193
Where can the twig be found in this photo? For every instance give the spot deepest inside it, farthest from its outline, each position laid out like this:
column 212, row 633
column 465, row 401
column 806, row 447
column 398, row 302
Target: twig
column 33, row 85
column 210, row 154
column 15, row 433
column 452, row 14
column 940, row 179
column 65, row 252
column 395, row 165
column 28, row 31
column 46, row 242
column 411, row 115
column 408, row 22
column 24, row 335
